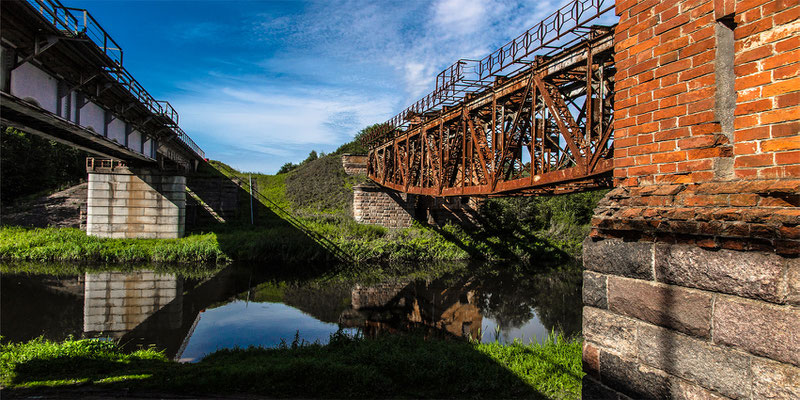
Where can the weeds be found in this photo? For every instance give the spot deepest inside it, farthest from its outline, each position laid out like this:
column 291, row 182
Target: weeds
column 349, row 366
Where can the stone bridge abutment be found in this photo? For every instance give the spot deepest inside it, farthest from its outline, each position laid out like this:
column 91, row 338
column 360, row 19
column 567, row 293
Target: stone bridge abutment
column 125, row 202
column 692, row 276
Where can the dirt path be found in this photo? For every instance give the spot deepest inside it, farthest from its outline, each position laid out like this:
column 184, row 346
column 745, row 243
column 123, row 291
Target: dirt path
column 60, row 209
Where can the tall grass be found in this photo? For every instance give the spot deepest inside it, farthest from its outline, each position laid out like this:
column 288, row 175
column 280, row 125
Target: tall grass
column 71, row 244
column 387, row 366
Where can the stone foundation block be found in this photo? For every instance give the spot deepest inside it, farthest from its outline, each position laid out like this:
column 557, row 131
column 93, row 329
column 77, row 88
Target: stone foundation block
column 591, row 389
column 714, row 367
column 685, row 310
column 594, row 289
column 774, row 380
column 616, row 257
column 749, row 274
column 632, row 378
column 610, row 331
column 762, row 329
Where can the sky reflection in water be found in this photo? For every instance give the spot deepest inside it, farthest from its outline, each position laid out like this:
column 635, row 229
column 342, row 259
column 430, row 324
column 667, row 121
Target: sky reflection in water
column 243, row 306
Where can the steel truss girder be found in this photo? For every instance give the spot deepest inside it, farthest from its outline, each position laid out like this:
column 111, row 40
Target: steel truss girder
column 547, row 129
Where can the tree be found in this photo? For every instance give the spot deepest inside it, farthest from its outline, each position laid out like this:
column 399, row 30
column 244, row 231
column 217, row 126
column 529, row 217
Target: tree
column 311, row 157
column 356, row 146
column 287, row 168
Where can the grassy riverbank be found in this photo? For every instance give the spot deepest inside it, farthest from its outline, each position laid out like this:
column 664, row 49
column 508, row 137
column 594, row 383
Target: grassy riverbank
column 388, row 366
column 305, row 215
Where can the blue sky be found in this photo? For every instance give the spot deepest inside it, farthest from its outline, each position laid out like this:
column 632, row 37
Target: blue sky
column 261, row 83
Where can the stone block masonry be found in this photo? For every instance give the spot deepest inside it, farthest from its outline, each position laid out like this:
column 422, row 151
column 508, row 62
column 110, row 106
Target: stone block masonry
column 354, row 164
column 211, row 200
column 126, row 203
column 692, row 281
column 380, row 206
column 376, row 205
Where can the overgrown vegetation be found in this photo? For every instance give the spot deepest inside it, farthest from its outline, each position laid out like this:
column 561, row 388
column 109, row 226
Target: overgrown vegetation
column 34, row 166
column 306, row 214
column 565, row 219
column 386, row 366
column 321, row 186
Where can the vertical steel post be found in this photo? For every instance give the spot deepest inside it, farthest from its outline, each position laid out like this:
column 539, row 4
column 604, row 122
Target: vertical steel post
column 252, row 222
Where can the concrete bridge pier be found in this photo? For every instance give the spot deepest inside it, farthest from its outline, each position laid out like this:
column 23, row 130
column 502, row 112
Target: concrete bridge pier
column 128, row 202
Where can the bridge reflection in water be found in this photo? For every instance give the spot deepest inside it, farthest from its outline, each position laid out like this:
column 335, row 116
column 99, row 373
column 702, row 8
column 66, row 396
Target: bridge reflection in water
column 239, row 307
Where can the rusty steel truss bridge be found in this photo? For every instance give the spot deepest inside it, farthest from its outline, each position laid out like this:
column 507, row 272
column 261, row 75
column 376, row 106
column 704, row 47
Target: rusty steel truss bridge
column 534, row 117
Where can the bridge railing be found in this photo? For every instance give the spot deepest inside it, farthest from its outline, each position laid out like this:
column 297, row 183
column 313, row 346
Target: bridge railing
column 77, row 22
column 566, row 26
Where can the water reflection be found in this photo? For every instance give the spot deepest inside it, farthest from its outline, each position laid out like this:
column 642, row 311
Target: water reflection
column 246, row 305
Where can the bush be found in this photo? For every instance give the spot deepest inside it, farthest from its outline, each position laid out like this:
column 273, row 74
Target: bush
column 33, row 165
column 321, row 185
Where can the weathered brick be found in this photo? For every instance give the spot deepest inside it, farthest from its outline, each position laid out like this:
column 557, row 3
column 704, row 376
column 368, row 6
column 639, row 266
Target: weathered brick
column 594, row 289
column 591, row 359
column 774, row 380
column 614, row 256
column 632, row 378
column 714, row 367
column 685, row 310
column 757, row 327
column 610, row 331
column 749, row 274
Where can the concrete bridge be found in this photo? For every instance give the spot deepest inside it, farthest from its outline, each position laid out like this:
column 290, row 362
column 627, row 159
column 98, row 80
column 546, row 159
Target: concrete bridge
column 62, row 78
column 692, row 275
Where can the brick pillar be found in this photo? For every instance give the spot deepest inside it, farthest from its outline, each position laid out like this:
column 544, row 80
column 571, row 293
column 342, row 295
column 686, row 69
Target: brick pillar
column 354, row 164
column 692, row 282
column 380, row 206
column 134, row 203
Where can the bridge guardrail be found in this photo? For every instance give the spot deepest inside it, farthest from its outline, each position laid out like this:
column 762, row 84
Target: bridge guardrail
column 63, row 18
column 565, row 26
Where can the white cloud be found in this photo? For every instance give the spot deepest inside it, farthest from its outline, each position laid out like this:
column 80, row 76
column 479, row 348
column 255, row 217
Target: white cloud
column 258, row 127
column 460, row 17
column 339, row 66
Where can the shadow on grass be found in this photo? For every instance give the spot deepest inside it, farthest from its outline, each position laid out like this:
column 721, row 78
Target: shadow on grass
column 249, row 225
column 505, row 242
column 388, row 366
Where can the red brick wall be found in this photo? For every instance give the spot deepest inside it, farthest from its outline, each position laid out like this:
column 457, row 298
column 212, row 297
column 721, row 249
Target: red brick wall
column 666, row 130
column 767, row 136
column 692, row 282
column 677, row 171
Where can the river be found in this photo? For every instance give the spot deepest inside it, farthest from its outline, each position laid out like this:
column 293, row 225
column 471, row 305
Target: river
column 191, row 315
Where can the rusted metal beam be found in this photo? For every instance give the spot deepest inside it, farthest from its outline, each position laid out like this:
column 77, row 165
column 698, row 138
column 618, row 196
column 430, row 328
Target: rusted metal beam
column 559, row 110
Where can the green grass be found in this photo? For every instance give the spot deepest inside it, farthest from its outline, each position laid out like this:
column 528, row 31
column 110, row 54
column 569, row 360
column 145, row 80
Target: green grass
column 306, row 217
column 387, row 366
column 71, row 244
column 344, row 240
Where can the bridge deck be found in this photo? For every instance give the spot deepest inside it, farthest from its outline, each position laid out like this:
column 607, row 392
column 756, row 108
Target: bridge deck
column 63, row 78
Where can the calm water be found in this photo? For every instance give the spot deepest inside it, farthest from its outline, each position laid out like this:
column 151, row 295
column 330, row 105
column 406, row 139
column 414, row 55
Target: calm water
column 245, row 305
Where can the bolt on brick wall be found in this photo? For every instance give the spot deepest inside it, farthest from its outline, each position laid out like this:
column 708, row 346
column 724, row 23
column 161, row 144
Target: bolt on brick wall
column 693, row 277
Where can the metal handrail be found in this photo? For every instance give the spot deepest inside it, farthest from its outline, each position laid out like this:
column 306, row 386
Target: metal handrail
column 63, row 18
column 317, row 237
column 567, row 24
